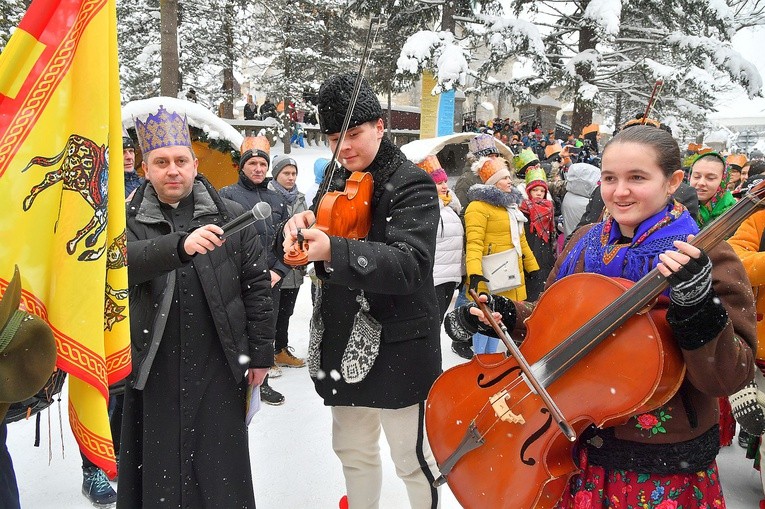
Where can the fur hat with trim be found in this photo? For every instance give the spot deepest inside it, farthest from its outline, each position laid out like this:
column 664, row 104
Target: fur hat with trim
column 491, row 170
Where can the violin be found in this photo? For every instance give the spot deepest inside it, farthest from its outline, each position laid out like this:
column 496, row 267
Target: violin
column 488, row 423
column 346, row 213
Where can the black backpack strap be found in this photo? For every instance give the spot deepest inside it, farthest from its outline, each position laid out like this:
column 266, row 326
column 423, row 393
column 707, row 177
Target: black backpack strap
column 37, row 431
column 762, row 241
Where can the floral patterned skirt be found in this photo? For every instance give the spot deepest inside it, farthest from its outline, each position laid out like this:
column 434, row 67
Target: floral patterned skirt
column 597, row 488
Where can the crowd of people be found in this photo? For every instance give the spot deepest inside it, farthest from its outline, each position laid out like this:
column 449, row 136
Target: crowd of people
column 210, row 308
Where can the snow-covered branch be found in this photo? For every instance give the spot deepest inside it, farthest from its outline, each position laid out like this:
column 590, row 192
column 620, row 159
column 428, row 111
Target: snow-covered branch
column 436, row 51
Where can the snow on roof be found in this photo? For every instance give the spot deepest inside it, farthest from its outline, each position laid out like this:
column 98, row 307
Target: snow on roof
column 417, row 150
column 196, row 115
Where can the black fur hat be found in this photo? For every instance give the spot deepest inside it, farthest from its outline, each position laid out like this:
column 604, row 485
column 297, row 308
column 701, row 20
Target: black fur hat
column 334, row 97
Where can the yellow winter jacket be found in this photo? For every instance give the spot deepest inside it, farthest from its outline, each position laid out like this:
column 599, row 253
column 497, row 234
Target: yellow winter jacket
column 487, row 231
column 746, row 244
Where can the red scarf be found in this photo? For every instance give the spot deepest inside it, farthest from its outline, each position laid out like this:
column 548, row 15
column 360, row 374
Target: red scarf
column 541, row 217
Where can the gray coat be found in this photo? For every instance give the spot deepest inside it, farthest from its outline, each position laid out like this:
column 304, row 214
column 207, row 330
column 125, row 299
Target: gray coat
column 293, row 278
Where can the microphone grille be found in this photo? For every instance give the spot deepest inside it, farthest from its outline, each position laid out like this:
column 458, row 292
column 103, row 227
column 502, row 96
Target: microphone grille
column 261, row 210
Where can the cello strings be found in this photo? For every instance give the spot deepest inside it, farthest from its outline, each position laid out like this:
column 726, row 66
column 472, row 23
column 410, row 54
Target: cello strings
column 509, row 387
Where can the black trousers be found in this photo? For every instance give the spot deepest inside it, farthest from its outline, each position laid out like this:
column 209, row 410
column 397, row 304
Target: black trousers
column 444, row 294
column 287, row 299
column 9, row 490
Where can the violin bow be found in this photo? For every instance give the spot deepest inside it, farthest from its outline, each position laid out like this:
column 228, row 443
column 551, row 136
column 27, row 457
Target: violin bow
column 654, row 96
column 332, row 165
column 502, row 333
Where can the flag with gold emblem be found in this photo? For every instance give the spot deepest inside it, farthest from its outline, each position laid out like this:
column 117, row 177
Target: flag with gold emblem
column 62, row 219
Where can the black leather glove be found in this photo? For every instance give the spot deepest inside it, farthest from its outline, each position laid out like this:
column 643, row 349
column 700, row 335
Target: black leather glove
column 473, row 281
column 691, row 285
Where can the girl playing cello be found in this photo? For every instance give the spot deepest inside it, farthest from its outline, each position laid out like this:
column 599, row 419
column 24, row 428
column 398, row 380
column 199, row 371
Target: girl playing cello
column 665, row 457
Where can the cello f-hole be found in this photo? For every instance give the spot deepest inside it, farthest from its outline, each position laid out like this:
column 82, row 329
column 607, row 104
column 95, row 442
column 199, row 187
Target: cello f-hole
column 534, row 437
column 496, row 380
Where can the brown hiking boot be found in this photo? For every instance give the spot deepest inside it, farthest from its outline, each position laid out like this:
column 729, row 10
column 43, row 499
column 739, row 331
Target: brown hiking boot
column 285, row 358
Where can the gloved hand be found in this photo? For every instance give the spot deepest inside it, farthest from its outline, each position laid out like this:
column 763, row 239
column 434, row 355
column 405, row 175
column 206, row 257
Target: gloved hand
column 747, row 407
column 692, row 283
column 473, row 281
column 460, row 325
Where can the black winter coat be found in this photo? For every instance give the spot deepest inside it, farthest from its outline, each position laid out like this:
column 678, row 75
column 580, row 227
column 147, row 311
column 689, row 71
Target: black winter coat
column 394, row 267
column 236, row 284
column 248, row 194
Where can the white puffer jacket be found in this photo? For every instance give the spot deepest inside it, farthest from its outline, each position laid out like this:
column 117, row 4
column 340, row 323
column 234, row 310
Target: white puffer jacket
column 450, row 246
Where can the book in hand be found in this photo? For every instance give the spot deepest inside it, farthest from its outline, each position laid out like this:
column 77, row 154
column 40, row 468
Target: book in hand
column 253, row 402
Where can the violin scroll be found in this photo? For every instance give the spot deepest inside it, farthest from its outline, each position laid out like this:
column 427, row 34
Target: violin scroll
column 297, row 256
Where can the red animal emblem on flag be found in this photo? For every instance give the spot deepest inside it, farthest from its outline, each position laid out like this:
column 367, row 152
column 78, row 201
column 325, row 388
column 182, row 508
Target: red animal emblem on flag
column 83, row 169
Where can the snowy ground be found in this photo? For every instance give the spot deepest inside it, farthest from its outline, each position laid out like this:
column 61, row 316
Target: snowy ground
column 292, row 460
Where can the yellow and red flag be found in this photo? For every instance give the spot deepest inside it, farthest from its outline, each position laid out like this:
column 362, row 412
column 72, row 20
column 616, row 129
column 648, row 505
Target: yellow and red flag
column 62, row 193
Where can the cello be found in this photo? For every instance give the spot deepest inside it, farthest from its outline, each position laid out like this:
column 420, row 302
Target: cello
column 493, row 436
column 346, row 213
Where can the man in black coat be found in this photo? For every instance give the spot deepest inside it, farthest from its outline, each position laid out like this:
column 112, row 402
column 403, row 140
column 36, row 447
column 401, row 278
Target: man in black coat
column 250, row 189
column 375, row 349
column 201, row 317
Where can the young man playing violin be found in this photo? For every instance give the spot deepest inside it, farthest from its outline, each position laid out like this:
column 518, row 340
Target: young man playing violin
column 374, row 349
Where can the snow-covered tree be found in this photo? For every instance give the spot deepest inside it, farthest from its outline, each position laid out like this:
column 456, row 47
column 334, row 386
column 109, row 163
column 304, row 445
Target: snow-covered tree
column 301, row 43
column 396, row 21
column 139, row 48
column 610, row 52
column 11, row 12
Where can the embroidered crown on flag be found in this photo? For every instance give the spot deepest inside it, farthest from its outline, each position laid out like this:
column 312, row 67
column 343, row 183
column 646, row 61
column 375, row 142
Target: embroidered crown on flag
column 163, row 129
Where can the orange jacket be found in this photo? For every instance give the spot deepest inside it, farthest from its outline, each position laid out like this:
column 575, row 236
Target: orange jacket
column 746, row 244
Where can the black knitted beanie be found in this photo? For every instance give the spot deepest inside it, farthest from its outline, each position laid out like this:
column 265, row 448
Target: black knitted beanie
column 334, row 97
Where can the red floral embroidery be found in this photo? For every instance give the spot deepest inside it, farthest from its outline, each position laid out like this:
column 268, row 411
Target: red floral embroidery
column 653, row 423
column 667, row 504
column 647, row 421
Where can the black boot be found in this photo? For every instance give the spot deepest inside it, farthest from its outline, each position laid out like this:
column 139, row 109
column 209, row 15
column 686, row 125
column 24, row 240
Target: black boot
column 463, row 349
column 269, row 395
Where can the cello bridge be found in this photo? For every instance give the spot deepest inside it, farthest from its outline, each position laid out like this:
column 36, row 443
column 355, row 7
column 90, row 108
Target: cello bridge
column 499, row 403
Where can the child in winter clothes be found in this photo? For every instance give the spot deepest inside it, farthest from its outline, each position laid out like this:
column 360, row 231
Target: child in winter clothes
column 540, row 230
column 448, row 267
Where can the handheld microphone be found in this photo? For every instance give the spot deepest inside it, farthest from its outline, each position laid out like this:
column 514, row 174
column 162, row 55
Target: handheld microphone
column 261, row 210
